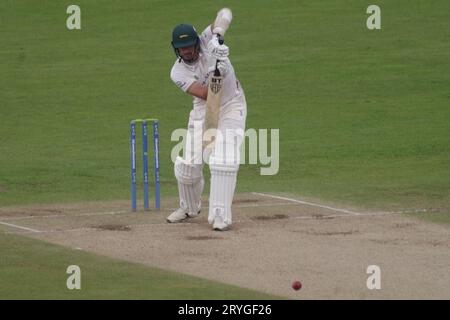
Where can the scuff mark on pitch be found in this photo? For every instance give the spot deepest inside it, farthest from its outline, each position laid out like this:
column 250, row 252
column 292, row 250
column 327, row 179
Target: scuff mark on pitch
column 270, row 217
column 113, row 227
column 331, row 233
column 202, row 238
column 246, row 201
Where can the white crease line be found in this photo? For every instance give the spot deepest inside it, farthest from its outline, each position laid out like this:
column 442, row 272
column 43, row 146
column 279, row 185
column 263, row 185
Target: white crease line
column 323, row 217
column 419, row 211
column 20, row 227
column 348, row 211
column 270, row 204
column 409, row 211
column 306, row 217
column 14, row 218
column 99, row 229
column 308, row 203
column 187, row 223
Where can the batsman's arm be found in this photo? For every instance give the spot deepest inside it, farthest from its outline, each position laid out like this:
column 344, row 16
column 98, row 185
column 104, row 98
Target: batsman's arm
column 197, row 90
column 222, row 22
column 220, row 69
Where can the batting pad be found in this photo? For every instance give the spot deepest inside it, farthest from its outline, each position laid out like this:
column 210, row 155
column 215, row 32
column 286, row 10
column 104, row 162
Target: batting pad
column 190, row 185
column 223, row 183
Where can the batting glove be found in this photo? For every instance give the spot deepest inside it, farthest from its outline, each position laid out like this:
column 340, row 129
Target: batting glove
column 217, row 50
column 223, row 67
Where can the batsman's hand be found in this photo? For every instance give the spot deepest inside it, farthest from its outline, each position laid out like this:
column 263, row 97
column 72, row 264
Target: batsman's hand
column 217, row 50
column 222, row 65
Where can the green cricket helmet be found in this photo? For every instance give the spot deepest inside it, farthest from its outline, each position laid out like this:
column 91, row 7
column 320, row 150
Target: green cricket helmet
column 184, row 35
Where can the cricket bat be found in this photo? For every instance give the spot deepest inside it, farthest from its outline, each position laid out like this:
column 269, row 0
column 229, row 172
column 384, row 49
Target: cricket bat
column 213, row 106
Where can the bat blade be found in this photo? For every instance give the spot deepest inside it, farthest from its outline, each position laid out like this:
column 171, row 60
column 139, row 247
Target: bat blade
column 213, row 102
column 213, row 107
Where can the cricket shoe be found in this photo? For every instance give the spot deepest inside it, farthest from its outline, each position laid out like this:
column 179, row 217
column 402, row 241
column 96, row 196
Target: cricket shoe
column 180, row 215
column 220, row 225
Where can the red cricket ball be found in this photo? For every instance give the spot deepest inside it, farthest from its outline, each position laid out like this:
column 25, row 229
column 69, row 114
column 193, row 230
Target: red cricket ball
column 296, row 285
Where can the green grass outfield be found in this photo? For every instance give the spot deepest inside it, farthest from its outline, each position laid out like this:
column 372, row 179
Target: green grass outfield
column 32, row 269
column 363, row 115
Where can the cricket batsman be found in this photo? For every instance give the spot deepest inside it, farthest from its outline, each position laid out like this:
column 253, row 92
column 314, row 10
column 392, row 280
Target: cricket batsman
column 202, row 59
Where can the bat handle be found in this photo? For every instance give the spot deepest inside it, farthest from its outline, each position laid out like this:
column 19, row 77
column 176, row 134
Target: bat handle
column 216, row 71
column 221, row 41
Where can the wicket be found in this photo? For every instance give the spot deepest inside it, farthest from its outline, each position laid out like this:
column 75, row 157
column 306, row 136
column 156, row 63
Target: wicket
column 144, row 162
